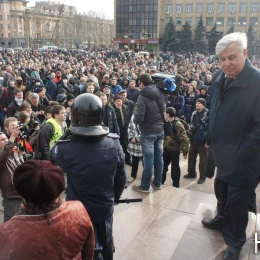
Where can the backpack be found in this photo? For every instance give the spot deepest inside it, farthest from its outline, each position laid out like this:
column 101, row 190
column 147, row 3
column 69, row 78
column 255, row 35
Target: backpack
column 185, row 124
column 34, row 141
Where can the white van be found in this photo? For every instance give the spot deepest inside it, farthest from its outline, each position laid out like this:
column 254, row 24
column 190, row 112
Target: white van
column 49, row 47
column 143, row 54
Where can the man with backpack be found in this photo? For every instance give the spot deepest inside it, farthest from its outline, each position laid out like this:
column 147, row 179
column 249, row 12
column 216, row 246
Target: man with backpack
column 198, row 141
column 176, row 141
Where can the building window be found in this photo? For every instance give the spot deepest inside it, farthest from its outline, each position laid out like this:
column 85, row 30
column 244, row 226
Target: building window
column 210, row 8
column 189, row 21
column 9, row 36
column 167, row 20
column 199, row 8
column 255, row 7
column 221, row 8
column 231, row 21
column 243, row 7
column 8, row 26
column 209, row 21
column 254, row 21
column 0, row 7
column 168, row 8
column 178, row 9
column 178, row 21
column 1, row 18
column 1, row 26
column 232, row 8
column 220, row 21
column 189, row 8
column 197, row 21
column 242, row 21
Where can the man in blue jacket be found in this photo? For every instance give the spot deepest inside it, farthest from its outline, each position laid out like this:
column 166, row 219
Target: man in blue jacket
column 234, row 139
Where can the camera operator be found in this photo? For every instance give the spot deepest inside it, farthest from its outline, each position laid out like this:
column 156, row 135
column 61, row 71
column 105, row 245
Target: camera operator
column 34, row 122
column 10, row 158
column 23, row 147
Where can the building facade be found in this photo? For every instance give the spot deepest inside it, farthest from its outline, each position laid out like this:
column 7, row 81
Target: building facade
column 146, row 19
column 12, row 23
column 51, row 23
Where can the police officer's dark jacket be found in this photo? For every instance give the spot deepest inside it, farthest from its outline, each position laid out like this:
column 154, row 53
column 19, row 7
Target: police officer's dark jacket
column 234, row 126
column 95, row 170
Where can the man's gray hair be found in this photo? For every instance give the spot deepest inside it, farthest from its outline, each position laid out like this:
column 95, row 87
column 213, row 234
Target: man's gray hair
column 33, row 96
column 239, row 38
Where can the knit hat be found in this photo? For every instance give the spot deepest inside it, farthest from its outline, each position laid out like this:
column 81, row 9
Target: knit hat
column 61, row 98
column 70, row 96
column 122, row 92
column 38, row 90
column 202, row 101
column 38, row 182
column 117, row 97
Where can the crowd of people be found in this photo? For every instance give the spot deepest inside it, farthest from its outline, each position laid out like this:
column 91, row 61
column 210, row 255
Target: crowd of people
column 42, row 95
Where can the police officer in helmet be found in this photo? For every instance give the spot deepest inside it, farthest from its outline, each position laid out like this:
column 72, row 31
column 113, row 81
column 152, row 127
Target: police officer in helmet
column 94, row 163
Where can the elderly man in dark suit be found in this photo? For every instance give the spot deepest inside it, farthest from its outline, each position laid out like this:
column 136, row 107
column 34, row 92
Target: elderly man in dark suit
column 234, row 139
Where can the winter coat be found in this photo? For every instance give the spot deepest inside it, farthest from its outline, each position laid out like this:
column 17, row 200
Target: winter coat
column 95, row 170
column 110, row 119
column 8, row 163
column 190, row 104
column 134, row 149
column 234, row 126
column 177, row 102
column 115, row 89
column 69, row 235
column 7, row 97
column 51, row 87
column 148, row 113
column 132, row 94
column 12, row 109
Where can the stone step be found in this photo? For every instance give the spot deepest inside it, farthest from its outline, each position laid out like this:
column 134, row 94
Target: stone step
column 152, row 229
column 200, row 243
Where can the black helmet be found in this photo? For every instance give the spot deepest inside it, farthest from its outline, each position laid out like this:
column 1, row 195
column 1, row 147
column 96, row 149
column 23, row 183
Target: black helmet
column 87, row 116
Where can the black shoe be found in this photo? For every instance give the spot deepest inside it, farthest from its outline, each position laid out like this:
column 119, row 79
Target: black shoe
column 201, row 180
column 190, row 176
column 232, row 253
column 211, row 223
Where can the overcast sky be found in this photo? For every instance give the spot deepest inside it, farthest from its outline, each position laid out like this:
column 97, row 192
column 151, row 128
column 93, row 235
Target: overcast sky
column 104, row 6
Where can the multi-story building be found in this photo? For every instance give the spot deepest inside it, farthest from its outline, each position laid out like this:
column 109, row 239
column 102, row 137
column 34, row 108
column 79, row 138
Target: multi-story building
column 51, row 23
column 142, row 22
column 12, row 23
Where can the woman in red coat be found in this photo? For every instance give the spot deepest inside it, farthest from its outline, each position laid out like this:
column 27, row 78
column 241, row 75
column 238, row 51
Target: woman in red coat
column 46, row 227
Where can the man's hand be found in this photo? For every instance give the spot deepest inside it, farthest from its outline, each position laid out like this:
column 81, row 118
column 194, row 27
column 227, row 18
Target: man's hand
column 133, row 141
column 206, row 146
column 16, row 131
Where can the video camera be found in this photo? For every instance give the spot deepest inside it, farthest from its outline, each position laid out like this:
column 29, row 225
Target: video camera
column 167, row 82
